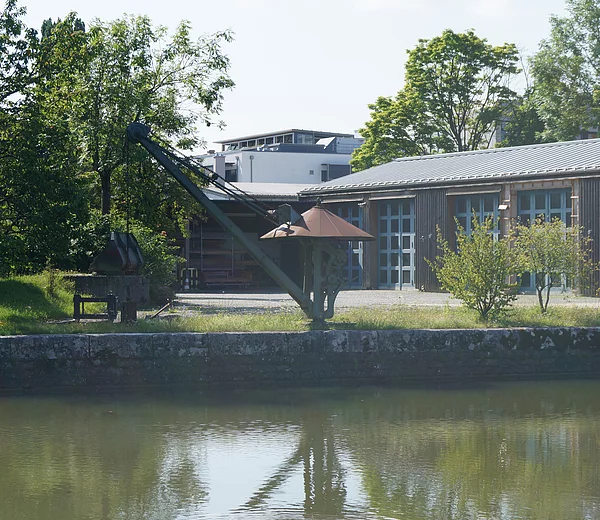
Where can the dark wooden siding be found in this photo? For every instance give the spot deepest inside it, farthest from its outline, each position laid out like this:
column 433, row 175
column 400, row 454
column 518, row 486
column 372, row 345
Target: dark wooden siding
column 431, row 211
column 589, row 218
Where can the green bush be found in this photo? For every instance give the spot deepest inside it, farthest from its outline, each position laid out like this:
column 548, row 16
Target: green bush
column 477, row 272
column 160, row 256
column 554, row 254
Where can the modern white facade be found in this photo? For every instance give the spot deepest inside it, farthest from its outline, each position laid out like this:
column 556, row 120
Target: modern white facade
column 291, row 156
column 286, row 167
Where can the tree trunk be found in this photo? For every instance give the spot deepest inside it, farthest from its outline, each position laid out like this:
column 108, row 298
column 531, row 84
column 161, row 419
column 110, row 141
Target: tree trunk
column 540, row 292
column 105, row 183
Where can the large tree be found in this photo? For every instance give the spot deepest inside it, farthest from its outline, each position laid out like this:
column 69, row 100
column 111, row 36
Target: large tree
column 566, row 71
column 42, row 196
column 456, row 91
column 139, row 72
column 39, row 195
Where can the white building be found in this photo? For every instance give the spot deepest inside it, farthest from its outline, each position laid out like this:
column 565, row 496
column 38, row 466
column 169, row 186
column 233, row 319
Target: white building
column 290, row 156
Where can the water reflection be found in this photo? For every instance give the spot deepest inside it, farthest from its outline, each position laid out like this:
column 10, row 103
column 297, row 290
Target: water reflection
column 511, row 451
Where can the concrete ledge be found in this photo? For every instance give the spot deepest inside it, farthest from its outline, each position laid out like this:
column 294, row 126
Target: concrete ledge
column 122, row 360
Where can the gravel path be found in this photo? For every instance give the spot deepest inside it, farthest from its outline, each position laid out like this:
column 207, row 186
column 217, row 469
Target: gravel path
column 274, row 301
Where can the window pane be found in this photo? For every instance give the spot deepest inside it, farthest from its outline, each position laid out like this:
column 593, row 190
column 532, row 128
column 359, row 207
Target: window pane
column 394, row 260
column 406, row 207
column 526, row 280
column 525, row 200
column 463, row 222
column 383, row 226
column 395, row 277
column 406, row 277
column 405, row 243
column 540, row 201
column 489, row 204
column 382, row 209
column 395, row 225
column 555, row 200
column 406, row 259
column 406, row 225
column 461, row 205
column 395, row 242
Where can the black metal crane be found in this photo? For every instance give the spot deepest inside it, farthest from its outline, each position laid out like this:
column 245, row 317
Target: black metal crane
column 323, row 272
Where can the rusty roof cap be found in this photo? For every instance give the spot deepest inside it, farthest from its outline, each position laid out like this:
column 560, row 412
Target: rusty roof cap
column 319, row 222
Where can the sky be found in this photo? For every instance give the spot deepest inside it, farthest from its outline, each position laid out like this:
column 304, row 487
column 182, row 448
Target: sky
column 317, row 64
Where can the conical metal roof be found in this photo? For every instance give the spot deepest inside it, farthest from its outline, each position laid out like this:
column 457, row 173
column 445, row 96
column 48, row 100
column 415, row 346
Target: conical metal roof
column 319, row 222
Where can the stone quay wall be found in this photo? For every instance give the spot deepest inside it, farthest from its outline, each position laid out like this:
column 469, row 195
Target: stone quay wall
column 99, row 361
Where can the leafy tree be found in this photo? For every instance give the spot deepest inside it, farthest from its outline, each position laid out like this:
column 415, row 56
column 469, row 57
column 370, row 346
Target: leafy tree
column 462, row 81
column 456, row 90
column 478, row 270
column 521, row 123
column 552, row 252
column 398, row 127
column 566, row 71
column 138, row 73
column 41, row 198
column 17, row 46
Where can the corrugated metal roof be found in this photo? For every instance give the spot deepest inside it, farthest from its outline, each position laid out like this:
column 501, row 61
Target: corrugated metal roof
column 463, row 167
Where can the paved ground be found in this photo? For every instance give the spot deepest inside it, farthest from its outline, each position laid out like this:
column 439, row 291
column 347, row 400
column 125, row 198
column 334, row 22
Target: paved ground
column 276, row 301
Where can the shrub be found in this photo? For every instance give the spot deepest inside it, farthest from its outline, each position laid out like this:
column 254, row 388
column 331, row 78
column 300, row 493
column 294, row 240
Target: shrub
column 478, row 271
column 554, row 254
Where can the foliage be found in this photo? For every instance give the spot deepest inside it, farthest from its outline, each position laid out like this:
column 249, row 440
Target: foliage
column 161, row 259
column 160, row 256
column 43, row 199
column 566, row 71
column 65, row 101
column 521, row 123
column 455, row 93
column 17, row 46
column 398, row 128
column 138, row 73
column 553, row 254
column 478, row 270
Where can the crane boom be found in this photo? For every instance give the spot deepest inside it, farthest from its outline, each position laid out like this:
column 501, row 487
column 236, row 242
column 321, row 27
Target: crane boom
column 138, row 133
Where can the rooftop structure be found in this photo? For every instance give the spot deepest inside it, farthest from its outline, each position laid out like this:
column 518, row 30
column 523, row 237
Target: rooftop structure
column 291, row 136
column 515, row 163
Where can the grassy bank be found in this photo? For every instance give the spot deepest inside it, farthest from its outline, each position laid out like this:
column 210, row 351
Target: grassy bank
column 43, row 304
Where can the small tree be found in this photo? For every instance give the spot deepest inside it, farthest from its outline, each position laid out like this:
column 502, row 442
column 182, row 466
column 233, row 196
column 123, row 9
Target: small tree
column 553, row 253
column 477, row 272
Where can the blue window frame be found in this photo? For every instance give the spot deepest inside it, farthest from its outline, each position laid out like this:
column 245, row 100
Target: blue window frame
column 481, row 206
column 549, row 205
column 396, row 240
column 354, row 268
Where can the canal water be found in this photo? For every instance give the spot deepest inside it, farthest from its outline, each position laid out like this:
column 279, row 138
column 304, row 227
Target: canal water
column 492, row 451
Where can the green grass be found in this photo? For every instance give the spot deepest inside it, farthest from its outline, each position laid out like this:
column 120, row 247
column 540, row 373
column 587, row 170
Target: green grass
column 33, row 304
column 32, row 299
